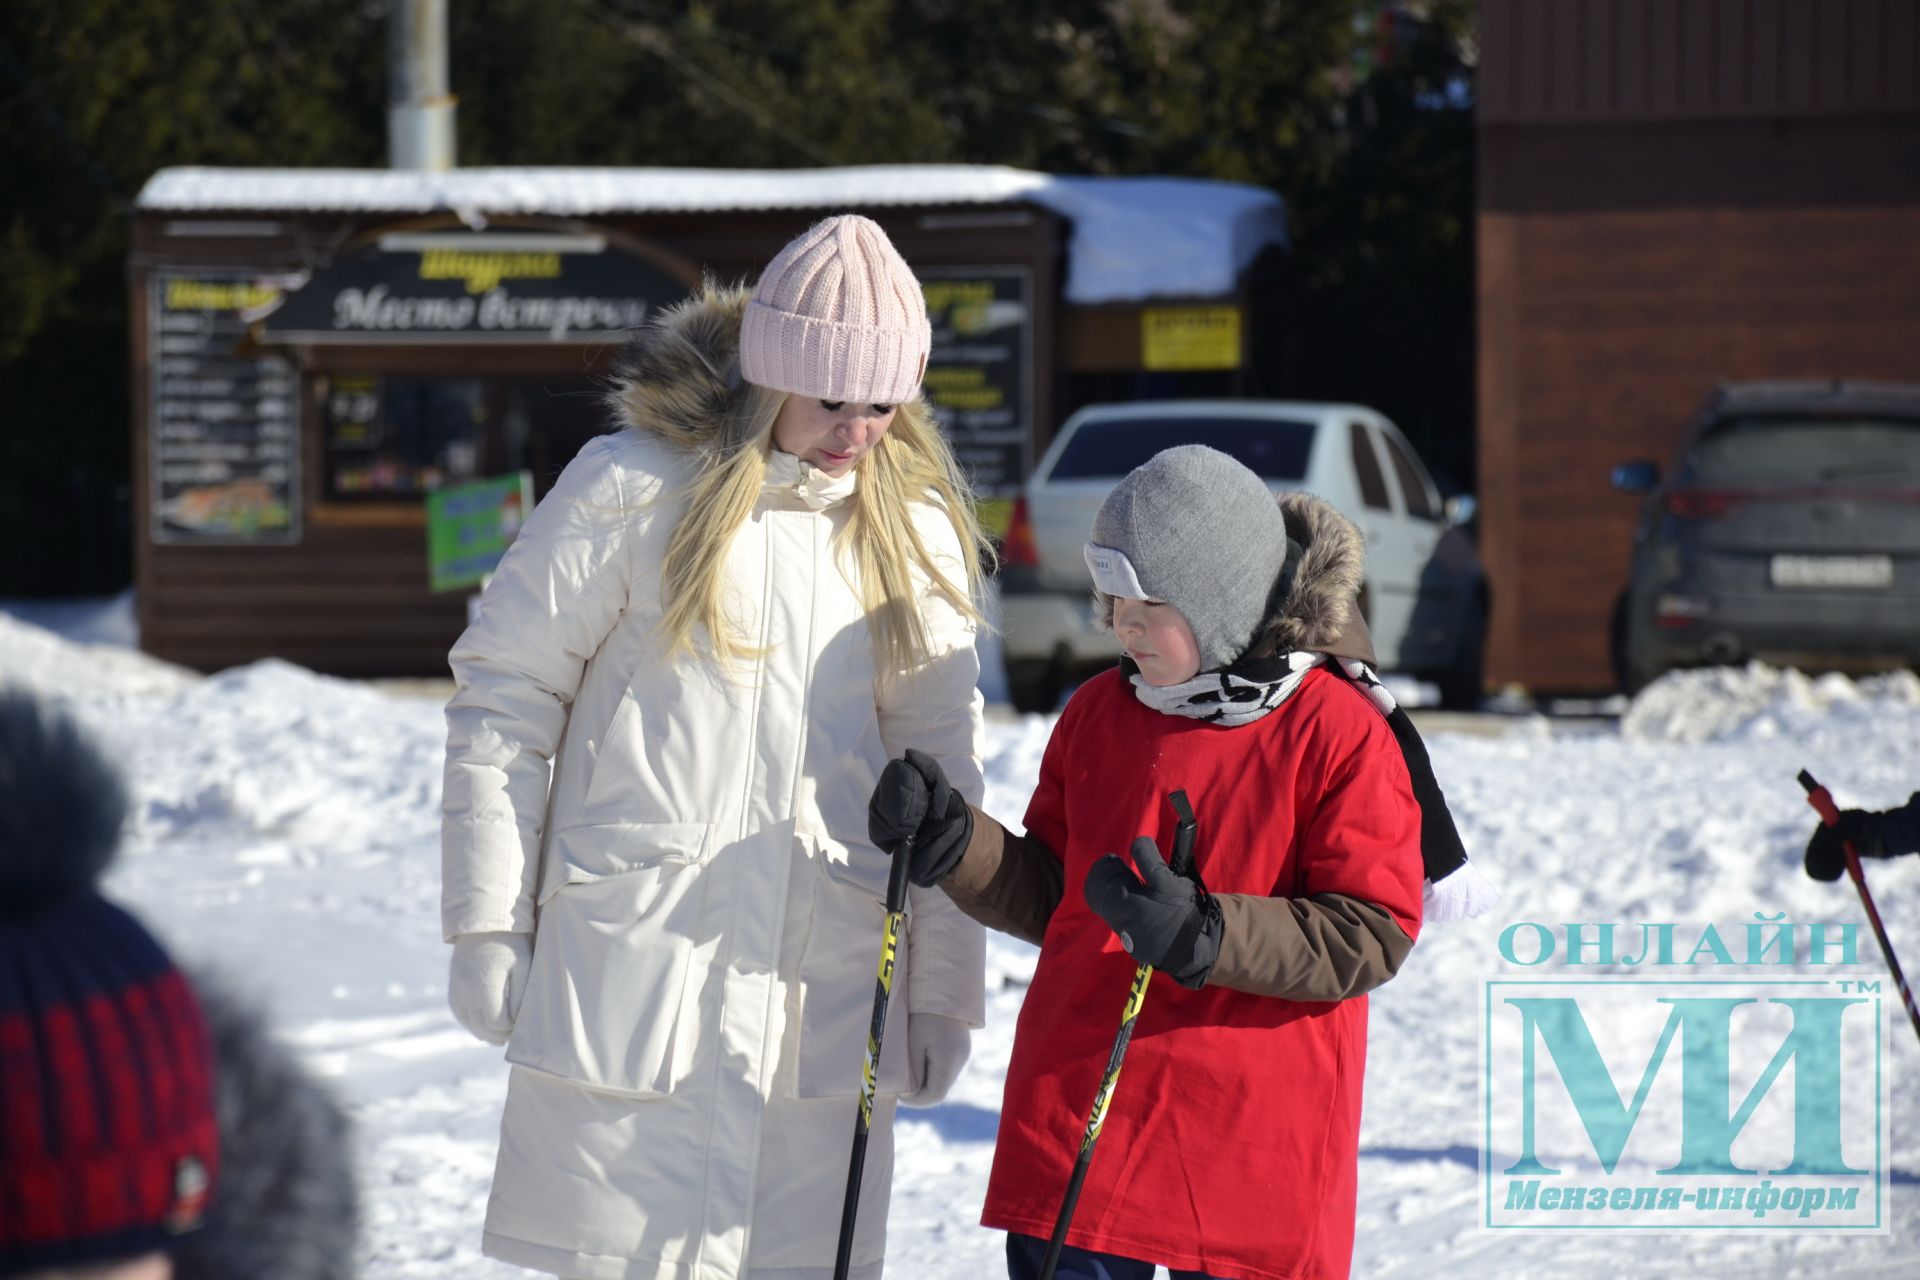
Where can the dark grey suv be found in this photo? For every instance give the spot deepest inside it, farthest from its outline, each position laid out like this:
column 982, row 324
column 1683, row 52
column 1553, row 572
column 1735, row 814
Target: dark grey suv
column 1790, row 532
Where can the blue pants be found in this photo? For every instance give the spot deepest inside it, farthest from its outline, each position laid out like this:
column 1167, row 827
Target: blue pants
column 1026, row 1253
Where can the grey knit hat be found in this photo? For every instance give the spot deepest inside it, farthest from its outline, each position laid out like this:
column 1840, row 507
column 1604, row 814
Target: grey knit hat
column 1196, row 529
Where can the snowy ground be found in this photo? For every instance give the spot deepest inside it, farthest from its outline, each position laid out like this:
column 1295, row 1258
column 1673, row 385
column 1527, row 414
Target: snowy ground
column 286, row 830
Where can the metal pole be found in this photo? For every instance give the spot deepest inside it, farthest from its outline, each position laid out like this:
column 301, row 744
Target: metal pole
column 883, row 990
column 1136, row 997
column 419, row 105
column 1181, row 864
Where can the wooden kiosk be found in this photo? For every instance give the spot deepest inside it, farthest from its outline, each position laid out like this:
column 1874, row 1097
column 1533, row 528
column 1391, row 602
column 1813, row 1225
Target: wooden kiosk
column 315, row 351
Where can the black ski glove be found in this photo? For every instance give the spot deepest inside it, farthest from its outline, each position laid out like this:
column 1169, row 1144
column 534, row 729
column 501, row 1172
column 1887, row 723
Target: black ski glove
column 1166, row 920
column 1826, row 856
column 914, row 798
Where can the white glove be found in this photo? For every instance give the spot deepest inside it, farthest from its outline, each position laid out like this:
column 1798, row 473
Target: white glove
column 486, row 979
column 937, row 1047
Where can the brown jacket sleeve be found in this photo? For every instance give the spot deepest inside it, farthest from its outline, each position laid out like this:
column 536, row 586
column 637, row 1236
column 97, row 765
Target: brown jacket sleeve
column 1325, row 947
column 1006, row 882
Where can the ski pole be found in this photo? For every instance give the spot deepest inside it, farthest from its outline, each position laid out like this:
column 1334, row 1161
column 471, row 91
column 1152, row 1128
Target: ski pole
column 1180, row 864
column 1822, row 801
column 883, row 988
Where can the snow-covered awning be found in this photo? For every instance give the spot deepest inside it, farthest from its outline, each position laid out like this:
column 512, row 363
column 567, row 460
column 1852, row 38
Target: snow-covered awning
column 1133, row 238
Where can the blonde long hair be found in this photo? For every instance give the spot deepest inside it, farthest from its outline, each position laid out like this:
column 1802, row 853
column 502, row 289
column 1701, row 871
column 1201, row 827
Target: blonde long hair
column 911, row 463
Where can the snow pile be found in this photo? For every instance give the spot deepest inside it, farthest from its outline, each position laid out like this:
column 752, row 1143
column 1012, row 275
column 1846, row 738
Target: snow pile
column 1758, row 701
column 271, row 749
column 108, row 620
column 39, row 659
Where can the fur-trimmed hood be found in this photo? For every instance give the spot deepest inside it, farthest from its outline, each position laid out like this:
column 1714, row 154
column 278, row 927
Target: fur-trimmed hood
column 1320, row 610
column 679, row 377
column 287, row 1202
column 1321, row 613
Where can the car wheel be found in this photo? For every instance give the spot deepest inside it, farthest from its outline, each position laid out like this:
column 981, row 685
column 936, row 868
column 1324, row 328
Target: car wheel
column 1617, row 641
column 1638, row 669
column 1033, row 686
column 1464, row 682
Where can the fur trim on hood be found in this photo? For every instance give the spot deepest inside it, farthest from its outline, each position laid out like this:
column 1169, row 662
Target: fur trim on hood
column 287, row 1202
column 679, row 377
column 1320, row 609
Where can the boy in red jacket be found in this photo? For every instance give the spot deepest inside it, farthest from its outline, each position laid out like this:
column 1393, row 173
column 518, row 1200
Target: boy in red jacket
column 1231, row 1146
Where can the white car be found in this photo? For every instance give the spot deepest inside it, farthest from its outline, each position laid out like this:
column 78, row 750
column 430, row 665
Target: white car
column 1425, row 596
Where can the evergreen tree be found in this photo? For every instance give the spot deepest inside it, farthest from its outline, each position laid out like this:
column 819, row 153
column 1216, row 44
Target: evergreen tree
column 97, row 95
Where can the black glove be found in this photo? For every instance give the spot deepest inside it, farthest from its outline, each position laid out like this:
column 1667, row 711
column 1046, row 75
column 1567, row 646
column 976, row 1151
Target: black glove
column 1826, row 856
column 914, row 798
column 1166, row 920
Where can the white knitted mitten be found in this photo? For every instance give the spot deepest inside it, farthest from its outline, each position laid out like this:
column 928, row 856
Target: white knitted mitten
column 486, row 979
column 937, row 1046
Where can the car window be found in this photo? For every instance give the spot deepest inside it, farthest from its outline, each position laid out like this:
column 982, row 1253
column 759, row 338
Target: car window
column 1108, row 448
column 1366, row 468
column 1801, row 451
column 1413, row 481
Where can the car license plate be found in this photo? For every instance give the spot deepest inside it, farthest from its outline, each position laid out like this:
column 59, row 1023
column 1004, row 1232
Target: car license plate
column 1847, row 572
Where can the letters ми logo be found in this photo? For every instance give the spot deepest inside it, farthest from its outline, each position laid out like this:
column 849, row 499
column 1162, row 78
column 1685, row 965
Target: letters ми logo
column 1677, row 1105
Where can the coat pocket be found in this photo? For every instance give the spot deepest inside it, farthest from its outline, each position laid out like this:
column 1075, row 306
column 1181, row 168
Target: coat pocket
column 605, row 1003
column 839, row 969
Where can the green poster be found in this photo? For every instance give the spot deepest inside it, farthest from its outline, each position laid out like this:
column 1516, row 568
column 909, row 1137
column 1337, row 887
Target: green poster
column 470, row 526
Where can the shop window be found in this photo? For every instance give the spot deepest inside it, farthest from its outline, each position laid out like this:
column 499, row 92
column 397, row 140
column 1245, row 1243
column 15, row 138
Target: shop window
column 391, row 437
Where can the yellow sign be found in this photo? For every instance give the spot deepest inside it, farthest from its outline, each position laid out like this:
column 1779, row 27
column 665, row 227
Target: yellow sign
column 483, row 271
column 1177, row 338
column 942, row 294
column 223, row 295
column 963, row 387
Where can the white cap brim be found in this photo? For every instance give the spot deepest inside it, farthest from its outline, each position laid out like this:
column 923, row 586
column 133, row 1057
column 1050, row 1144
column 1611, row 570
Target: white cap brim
column 1113, row 572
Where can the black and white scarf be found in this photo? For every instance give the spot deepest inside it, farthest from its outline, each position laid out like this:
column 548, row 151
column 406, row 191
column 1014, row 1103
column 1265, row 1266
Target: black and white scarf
column 1246, row 691
column 1238, row 695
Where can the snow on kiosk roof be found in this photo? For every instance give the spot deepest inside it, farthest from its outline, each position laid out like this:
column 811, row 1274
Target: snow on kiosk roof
column 1132, row 238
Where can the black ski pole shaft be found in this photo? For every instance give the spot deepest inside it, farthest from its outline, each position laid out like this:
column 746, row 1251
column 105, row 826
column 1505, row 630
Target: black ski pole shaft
column 1181, row 864
column 883, row 989
column 1822, row 801
column 1136, row 997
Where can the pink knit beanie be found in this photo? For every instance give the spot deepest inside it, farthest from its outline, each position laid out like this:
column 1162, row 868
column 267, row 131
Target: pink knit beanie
column 838, row 315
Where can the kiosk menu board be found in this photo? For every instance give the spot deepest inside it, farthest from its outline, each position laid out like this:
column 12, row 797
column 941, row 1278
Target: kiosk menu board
column 225, row 422
column 980, row 374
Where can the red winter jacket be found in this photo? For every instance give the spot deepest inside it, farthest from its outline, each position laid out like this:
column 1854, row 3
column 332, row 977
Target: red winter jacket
column 1232, row 1140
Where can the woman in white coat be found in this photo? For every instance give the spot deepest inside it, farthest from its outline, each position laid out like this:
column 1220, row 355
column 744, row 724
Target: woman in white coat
column 681, row 685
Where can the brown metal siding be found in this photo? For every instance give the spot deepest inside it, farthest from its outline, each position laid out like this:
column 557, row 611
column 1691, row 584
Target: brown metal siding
column 1601, row 333
column 1822, row 161
column 1594, row 60
column 1672, row 193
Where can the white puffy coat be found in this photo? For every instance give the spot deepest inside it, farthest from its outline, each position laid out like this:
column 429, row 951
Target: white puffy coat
column 694, row 867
